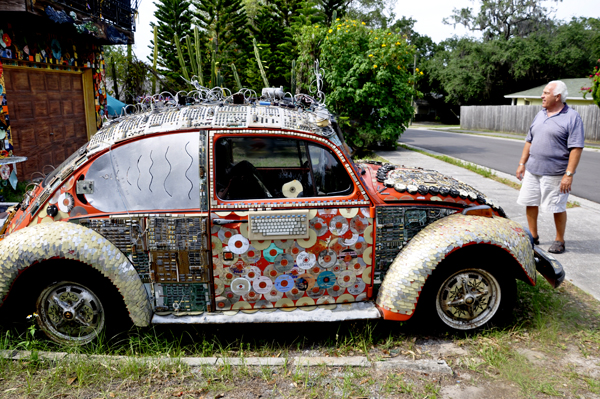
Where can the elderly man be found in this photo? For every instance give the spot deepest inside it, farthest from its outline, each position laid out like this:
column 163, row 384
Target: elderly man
column 550, row 157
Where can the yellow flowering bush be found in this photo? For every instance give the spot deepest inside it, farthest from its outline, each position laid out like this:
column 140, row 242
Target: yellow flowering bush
column 368, row 82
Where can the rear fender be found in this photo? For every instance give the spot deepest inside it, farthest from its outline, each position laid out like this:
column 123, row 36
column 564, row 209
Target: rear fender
column 408, row 273
column 63, row 240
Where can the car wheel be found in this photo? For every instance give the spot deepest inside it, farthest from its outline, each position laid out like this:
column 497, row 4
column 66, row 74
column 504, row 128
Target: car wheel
column 70, row 313
column 466, row 299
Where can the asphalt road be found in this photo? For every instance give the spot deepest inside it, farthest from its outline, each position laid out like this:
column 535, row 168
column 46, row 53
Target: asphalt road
column 502, row 155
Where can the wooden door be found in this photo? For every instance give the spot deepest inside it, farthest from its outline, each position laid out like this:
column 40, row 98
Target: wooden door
column 47, row 116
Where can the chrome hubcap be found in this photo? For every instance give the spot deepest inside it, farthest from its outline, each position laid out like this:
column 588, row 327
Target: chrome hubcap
column 70, row 313
column 468, row 299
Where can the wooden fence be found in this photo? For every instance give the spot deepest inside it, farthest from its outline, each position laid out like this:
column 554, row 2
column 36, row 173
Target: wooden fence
column 518, row 118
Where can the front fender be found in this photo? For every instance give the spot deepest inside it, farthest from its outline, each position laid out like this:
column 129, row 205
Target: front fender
column 406, row 277
column 63, row 240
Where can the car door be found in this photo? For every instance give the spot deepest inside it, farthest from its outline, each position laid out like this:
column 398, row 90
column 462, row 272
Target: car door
column 290, row 224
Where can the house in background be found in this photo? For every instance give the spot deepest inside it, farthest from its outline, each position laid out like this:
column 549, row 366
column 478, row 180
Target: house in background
column 533, row 96
column 52, row 76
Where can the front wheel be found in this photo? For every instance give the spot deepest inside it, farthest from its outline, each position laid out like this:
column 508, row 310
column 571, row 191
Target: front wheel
column 466, row 299
column 70, row 313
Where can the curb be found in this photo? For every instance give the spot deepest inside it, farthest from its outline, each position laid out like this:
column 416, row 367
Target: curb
column 584, row 203
column 422, row 366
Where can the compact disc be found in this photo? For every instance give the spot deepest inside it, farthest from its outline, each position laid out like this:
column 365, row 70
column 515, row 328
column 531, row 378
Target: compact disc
column 312, row 213
column 294, row 250
column 359, row 224
column 357, row 266
column 214, row 229
column 360, row 298
column 305, row 281
column 327, row 258
column 285, row 304
column 310, row 241
column 295, row 272
column 326, row 279
column 315, row 292
column 273, row 295
column 229, row 294
column 261, row 244
column 358, row 287
column 291, row 189
column 306, row 301
column 240, row 286
column 340, row 266
column 227, row 276
column 360, row 246
column 217, row 245
column 222, row 214
column 368, row 234
column 366, row 276
column 306, row 260
column 252, row 296
column 262, row 284
column 251, row 273
column 316, row 249
column 336, row 290
column 241, row 305
column 78, row 211
column 338, row 226
column 238, row 244
column 284, row 283
column 225, row 234
column 325, row 300
column 315, row 270
column 69, row 184
column 219, row 286
column 284, row 263
column 344, row 279
column 350, row 241
column 347, row 255
column 319, row 226
column 271, row 252
column 244, row 229
column 263, row 304
column 284, row 244
column 367, row 255
column 222, row 303
column 348, row 212
column 252, row 255
column 54, row 198
column 346, row 298
column 65, row 202
column 237, row 267
column 336, row 245
column 294, row 294
column 366, row 212
column 270, row 272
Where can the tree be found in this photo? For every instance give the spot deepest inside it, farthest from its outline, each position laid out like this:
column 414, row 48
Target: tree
column 594, row 88
column 227, row 27
column 369, row 82
column 127, row 77
column 173, row 17
column 503, row 18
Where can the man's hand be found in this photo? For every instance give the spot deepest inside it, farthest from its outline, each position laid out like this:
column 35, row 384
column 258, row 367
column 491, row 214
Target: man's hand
column 565, row 184
column 520, row 172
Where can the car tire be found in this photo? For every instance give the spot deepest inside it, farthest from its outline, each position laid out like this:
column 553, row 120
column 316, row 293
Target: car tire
column 459, row 297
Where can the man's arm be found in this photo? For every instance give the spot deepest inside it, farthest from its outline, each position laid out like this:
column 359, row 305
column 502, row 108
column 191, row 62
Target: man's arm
column 574, row 157
column 524, row 158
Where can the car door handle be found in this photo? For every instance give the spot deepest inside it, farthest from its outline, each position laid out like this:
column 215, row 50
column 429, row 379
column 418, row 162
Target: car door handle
column 228, row 221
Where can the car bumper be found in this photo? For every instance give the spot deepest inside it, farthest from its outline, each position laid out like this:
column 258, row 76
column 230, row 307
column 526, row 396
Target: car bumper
column 549, row 267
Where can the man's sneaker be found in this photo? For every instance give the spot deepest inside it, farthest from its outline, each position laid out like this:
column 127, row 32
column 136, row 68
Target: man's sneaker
column 557, row 247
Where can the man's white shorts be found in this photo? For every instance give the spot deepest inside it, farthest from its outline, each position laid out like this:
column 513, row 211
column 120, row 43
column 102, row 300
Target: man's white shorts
column 543, row 191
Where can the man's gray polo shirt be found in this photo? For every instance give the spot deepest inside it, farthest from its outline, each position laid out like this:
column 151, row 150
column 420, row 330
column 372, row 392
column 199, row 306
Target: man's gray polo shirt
column 551, row 140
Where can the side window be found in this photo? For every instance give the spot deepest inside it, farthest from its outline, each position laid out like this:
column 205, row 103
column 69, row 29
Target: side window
column 264, row 167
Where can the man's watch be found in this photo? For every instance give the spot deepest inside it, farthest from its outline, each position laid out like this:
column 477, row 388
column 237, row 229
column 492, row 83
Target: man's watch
column 569, row 173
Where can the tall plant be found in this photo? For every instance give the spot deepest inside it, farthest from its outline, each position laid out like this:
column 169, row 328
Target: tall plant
column 594, row 88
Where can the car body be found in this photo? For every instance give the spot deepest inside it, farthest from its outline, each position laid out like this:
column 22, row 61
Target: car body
column 254, row 212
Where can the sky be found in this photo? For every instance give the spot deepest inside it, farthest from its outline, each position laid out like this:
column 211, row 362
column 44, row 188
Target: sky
column 427, row 13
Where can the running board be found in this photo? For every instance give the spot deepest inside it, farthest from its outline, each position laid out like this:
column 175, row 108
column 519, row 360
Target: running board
column 352, row 311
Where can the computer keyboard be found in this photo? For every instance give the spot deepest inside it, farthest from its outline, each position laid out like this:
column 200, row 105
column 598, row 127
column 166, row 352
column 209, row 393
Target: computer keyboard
column 278, row 225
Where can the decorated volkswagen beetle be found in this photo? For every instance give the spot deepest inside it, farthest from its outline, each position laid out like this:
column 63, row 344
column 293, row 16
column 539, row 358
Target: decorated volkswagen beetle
column 215, row 209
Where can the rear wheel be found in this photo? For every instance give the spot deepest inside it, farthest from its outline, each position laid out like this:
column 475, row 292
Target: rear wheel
column 70, row 313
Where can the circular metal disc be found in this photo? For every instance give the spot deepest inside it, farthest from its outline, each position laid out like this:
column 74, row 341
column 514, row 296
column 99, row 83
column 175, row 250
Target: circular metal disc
column 251, row 273
column 233, row 298
column 238, row 244
column 306, row 260
column 348, row 212
column 240, row 286
column 219, row 286
column 217, row 245
column 327, row 258
column 271, row 253
column 366, row 275
column 360, row 246
column 284, row 263
column 326, row 279
column 273, row 295
column 357, row 266
column 285, row 304
column 359, row 224
column 310, row 241
column 367, row 255
column 315, row 292
column 358, row 287
column 284, row 283
column 284, row 244
column 346, row 298
column 346, row 278
column 252, row 296
column 368, row 234
column 271, row 272
column 260, row 244
column 222, row 303
column 350, row 241
column 319, row 226
column 339, row 225
column 263, row 304
column 305, row 281
column 241, row 305
column 252, row 255
column 225, row 234
column 262, row 284
column 294, row 294
column 306, row 301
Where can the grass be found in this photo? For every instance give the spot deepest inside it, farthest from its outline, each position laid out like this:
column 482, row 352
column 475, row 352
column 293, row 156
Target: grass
column 554, row 324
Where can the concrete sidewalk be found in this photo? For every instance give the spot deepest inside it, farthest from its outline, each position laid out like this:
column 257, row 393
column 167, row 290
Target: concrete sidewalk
column 581, row 261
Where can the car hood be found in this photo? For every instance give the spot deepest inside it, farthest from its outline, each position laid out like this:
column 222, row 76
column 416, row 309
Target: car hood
column 393, row 183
